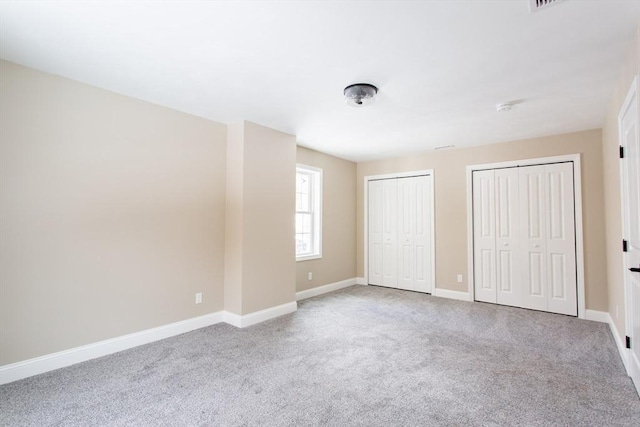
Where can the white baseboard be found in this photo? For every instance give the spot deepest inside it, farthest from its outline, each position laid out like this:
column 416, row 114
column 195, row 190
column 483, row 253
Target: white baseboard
column 61, row 359
column 446, row 293
column 319, row 290
column 622, row 349
column 604, row 317
column 38, row 365
column 361, row 281
column 597, row 316
column 259, row 316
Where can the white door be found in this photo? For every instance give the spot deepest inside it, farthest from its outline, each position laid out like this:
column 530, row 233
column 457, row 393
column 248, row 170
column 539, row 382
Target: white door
column 414, row 233
column 484, row 235
column 561, row 239
column 422, row 237
column 389, row 232
column 547, row 220
column 400, row 237
column 533, row 224
column 630, row 173
column 406, row 230
column 524, row 237
column 508, row 289
column 375, row 232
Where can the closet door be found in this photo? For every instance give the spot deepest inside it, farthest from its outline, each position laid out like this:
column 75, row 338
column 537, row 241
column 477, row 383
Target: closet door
column 389, row 232
column 484, row 235
column 524, row 237
column 561, row 240
column 400, row 233
column 375, row 248
column 533, row 225
column 507, row 237
column 414, row 233
column 422, row 234
column 406, row 230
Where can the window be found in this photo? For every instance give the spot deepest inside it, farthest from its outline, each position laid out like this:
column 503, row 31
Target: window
column 308, row 213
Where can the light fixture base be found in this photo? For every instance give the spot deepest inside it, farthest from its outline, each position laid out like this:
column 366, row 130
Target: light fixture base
column 360, row 94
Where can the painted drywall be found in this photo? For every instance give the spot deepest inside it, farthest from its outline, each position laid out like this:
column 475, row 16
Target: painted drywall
column 338, row 260
column 611, row 167
column 112, row 214
column 233, row 219
column 260, row 218
column 451, row 202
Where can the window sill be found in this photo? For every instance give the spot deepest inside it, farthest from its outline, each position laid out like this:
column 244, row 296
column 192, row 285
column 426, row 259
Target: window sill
column 308, row 257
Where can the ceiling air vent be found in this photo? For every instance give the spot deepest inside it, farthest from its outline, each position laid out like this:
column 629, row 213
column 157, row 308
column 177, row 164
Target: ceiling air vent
column 536, row 5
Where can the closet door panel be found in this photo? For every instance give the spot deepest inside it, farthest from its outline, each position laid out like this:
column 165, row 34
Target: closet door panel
column 406, row 230
column 562, row 281
column 375, row 248
column 484, row 235
column 422, row 234
column 532, row 201
column 508, row 283
column 390, row 233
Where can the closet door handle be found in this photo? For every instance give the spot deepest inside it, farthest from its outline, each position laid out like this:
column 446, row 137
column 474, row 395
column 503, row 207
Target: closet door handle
column 635, row 270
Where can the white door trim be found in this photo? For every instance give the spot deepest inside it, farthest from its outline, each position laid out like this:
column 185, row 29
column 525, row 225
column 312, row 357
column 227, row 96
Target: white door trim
column 366, row 218
column 577, row 174
column 633, row 89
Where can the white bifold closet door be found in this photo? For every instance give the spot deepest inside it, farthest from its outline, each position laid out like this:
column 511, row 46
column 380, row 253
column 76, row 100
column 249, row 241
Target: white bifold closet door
column 399, row 225
column 524, row 237
column 389, row 233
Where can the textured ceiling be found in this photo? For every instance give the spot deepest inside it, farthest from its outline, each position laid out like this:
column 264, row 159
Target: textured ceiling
column 441, row 66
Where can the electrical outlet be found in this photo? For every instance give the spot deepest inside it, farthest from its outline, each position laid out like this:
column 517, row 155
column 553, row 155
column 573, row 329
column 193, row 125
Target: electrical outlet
column 199, row 298
column 309, row 276
column 459, row 278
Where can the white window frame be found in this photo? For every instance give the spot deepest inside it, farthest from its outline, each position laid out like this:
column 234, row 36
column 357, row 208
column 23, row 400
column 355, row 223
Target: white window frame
column 315, row 175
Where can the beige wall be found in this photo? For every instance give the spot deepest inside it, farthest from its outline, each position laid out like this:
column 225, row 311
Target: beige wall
column 269, row 203
column 611, row 165
column 260, row 218
column 234, row 219
column 338, row 260
column 451, row 202
column 112, row 214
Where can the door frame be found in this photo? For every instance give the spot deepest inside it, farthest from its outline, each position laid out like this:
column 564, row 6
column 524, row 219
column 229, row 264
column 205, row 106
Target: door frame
column 577, row 194
column 366, row 218
column 626, row 354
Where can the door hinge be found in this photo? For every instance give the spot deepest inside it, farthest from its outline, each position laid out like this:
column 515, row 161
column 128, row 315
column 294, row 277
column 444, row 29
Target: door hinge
column 624, row 246
column 621, row 152
column 628, row 341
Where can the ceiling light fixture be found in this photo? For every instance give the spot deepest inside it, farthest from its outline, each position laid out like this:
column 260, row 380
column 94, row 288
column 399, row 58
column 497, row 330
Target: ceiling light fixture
column 360, row 94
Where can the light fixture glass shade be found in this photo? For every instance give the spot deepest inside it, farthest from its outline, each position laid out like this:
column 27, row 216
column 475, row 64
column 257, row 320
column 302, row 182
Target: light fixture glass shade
column 360, row 94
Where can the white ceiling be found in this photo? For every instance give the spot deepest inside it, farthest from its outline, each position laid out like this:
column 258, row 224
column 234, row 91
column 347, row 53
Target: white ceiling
column 441, row 66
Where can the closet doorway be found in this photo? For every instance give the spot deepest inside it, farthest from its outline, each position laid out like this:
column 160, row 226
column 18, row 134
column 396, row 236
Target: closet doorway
column 399, row 226
column 526, row 234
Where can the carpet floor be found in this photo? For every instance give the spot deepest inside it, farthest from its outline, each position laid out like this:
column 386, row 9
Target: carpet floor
column 362, row 356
